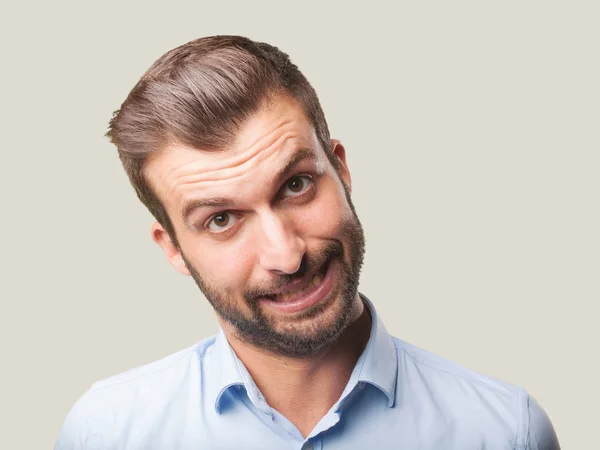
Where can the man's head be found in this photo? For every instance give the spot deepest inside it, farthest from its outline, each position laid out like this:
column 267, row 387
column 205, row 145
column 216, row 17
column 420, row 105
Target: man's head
column 225, row 142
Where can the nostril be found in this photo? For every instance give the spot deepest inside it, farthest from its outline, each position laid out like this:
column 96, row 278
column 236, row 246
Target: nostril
column 302, row 267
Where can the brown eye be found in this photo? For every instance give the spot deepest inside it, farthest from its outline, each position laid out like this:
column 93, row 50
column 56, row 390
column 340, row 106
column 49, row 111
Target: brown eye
column 221, row 222
column 297, row 186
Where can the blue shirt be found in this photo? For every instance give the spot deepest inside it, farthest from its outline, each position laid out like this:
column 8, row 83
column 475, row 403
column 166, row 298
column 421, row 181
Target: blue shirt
column 398, row 397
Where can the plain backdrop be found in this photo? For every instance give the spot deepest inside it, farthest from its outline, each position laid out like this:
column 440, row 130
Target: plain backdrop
column 472, row 137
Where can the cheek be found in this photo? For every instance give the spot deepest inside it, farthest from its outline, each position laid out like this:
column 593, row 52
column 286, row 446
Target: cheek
column 225, row 267
column 326, row 215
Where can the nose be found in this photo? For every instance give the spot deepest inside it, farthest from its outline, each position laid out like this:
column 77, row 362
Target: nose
column 282, row 250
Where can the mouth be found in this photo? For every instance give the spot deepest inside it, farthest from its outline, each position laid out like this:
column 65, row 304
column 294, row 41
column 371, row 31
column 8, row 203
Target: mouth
column 305, row 294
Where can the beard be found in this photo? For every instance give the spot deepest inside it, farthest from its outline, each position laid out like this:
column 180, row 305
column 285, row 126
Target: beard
column 313, row 330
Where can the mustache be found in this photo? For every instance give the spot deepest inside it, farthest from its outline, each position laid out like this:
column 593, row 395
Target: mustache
column 310, row 263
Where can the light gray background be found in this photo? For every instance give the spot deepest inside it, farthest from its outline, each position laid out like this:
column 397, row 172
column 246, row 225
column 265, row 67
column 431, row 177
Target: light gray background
column 472, row 138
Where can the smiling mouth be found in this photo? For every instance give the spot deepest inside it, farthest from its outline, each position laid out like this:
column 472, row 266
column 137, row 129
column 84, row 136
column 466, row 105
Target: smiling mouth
column 304, row 289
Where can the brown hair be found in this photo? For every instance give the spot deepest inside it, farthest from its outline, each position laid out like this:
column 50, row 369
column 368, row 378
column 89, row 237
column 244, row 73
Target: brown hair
column 199, row 95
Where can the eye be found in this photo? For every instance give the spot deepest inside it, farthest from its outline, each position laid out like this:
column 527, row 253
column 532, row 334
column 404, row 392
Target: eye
column 221, row 222
column 297, row 185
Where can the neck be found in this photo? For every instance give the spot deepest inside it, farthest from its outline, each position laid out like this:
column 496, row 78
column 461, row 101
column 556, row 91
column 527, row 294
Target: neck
column 304, row 389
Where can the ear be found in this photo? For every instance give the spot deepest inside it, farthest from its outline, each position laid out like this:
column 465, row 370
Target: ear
column 162, row 238
column 339, row 152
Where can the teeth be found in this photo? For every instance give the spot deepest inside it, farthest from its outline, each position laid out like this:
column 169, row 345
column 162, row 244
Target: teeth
column 316, row 281
column 285, row 297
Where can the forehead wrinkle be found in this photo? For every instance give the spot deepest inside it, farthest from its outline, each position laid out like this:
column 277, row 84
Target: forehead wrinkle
column 232, row 172
column 240, row 160
column 279, row 172
column 318, row 158
column 237, row 158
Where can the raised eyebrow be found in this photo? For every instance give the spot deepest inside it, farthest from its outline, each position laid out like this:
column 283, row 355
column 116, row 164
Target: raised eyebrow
column 193, row 205
column 300, row 155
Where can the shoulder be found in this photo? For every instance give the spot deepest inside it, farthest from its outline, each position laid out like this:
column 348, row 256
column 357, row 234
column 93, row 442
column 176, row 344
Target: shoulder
column 103, row 412
column 489, row 403
column 168, row 366
column 431, row 364
column 541, row 434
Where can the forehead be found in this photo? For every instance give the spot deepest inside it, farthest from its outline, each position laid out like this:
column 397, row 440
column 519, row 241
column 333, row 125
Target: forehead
column 265, row 142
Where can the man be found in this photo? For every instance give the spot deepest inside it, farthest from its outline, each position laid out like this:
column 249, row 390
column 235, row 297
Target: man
column 225, row 142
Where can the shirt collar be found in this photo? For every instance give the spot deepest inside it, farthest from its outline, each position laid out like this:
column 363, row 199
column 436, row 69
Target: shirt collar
column 227, row 373
column 378, row 366
column 224, row 372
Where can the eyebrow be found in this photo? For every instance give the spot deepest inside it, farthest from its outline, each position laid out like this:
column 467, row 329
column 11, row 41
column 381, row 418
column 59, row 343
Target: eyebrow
column 221, row 202
column 300, row 155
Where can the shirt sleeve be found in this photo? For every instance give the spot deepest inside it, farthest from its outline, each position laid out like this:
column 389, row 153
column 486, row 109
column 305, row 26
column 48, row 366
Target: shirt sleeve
column 541, row 434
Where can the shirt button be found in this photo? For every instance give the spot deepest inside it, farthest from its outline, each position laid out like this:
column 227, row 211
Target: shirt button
column 307, row 446
column 361, row 385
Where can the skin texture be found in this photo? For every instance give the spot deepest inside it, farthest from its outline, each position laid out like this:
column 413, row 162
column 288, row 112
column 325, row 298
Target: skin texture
column 270, row 232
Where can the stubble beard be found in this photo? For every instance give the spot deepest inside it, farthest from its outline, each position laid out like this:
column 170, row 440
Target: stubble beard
column 312, row 331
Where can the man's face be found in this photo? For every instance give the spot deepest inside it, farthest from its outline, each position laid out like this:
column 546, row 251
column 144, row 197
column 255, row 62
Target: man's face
column 267, row 230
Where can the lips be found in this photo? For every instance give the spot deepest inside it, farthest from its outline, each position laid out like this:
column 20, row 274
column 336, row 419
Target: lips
column 293, row 293
column 305, row 294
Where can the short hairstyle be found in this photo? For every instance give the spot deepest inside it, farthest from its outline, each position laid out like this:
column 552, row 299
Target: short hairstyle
column 200, row 94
